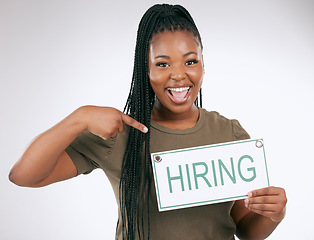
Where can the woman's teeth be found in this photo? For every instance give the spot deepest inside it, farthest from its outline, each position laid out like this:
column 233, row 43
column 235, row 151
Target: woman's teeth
column 178, row 89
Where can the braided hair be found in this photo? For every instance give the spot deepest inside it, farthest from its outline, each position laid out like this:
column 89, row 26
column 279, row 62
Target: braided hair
column 136, row 167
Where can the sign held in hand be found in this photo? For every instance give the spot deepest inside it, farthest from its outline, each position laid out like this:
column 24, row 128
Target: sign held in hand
column 209, row 174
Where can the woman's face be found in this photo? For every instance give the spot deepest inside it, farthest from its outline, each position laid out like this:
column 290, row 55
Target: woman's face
column 176, row 70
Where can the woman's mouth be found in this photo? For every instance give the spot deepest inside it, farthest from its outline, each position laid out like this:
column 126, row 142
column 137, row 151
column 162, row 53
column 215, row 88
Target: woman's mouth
column 179, row 95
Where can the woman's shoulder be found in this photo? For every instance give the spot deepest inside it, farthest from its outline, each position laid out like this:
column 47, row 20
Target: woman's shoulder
column 214, row 116
column 220, row 123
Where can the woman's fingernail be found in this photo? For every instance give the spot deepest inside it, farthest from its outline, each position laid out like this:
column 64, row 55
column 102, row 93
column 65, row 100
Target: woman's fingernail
column 250, row 194
column 246, row 202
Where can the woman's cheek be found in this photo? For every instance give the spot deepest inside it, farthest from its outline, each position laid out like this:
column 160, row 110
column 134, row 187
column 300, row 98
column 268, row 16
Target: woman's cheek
column 195, row 76
column 158, row 76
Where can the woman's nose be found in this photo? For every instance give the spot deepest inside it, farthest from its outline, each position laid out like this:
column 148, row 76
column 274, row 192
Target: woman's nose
column 178, row 73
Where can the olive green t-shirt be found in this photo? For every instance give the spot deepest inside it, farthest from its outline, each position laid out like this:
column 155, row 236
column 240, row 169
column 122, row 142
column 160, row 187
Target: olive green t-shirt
column 208, row 222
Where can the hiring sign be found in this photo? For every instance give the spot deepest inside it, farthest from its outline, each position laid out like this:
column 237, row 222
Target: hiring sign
column 209, row 174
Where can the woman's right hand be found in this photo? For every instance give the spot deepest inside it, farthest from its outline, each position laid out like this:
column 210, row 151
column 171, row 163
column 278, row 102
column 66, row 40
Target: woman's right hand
column 107, row 122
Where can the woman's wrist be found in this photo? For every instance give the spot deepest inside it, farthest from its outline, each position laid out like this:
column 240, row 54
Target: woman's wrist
column 79, row 118
column 280, row 217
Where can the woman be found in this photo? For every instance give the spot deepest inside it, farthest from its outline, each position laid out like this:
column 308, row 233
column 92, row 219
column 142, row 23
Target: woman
column 161, row 114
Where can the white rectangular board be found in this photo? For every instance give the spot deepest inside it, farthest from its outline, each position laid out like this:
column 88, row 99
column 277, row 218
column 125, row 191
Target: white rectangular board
column 209, row 174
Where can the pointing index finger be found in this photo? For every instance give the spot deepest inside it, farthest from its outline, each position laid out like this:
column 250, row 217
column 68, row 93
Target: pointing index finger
column 133, row 123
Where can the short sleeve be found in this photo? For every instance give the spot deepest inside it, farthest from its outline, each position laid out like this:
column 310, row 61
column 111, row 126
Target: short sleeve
column 238, row 131
column 88, row 152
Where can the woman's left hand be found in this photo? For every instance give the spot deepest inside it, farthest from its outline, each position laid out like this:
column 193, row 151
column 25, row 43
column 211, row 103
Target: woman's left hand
column 269, row 202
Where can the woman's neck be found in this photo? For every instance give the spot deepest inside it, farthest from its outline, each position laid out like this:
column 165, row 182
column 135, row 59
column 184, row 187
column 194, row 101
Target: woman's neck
column 180, row 120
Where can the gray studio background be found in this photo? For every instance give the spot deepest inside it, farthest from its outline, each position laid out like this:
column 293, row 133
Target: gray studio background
column 58, row 55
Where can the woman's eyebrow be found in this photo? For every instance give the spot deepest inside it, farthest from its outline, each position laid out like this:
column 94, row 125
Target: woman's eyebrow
column 189, row 53
column 162, row 56
column 186, row 54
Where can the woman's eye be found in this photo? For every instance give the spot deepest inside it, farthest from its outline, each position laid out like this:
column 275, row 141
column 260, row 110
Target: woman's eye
column 191, row 62
column 162, row 64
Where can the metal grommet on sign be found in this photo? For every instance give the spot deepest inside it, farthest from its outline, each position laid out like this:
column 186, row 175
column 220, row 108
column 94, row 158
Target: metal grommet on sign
column 157, row 158
column 259, row 143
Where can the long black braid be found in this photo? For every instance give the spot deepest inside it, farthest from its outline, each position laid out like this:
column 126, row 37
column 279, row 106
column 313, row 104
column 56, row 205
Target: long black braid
column 136, row 169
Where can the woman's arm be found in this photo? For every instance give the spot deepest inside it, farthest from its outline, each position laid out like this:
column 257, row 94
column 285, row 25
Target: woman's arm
column 45, row 160
column 46, row 154
column 257, row 216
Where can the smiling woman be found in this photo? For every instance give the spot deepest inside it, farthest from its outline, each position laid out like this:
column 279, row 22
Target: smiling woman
column 176, row 71
column 160, row 114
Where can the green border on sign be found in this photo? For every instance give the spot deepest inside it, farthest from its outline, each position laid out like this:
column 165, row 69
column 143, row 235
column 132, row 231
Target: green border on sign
column 197, row 148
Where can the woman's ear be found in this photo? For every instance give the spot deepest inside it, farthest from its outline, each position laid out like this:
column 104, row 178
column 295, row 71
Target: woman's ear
column 203, row 64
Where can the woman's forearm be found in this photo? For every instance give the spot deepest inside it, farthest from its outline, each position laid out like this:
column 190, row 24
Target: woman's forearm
column 41, row 156
column 41, row 159
column 256, row 227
